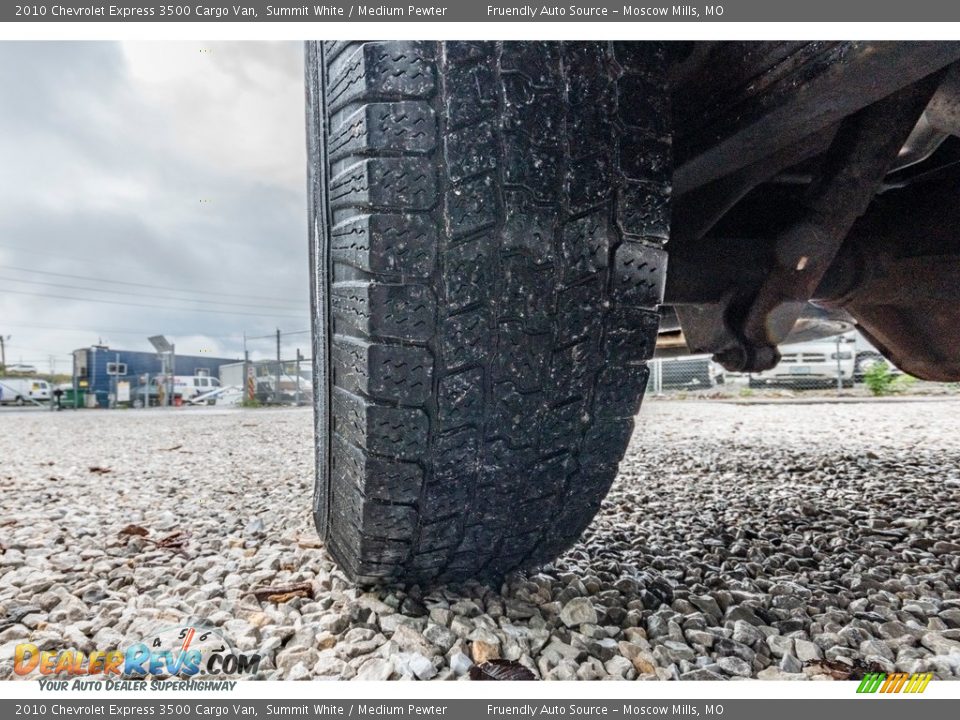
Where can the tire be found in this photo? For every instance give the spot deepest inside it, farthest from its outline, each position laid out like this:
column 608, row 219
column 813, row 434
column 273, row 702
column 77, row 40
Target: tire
column 487, row 229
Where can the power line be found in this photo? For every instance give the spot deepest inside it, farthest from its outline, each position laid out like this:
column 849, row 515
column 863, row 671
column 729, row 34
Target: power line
column 122, row 292
column 144, row 305
column 114, row 331
column 154, row 287
column 271, row 336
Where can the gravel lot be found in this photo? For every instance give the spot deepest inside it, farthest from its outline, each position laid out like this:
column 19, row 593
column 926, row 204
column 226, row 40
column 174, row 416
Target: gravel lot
column 770, row 541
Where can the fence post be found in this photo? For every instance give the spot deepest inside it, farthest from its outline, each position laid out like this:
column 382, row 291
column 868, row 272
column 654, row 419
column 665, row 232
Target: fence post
column 839, row 370
column 276, row 390
column 299, row 358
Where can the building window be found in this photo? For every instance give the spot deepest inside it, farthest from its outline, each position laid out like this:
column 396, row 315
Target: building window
column 114, row 368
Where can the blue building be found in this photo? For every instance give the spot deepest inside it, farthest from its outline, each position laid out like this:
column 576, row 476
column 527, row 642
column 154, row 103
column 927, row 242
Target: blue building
column 96, row 368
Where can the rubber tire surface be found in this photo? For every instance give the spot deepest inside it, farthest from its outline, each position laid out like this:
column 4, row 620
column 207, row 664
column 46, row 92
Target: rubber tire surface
column 487, row 229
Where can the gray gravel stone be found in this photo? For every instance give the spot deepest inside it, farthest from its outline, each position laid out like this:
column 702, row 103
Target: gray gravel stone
column 578, row 611
column 735, row 666
column 807, row 651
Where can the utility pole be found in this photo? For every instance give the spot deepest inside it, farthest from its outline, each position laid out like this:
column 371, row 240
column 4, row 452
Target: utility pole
column 276, row 390
column 3, row 353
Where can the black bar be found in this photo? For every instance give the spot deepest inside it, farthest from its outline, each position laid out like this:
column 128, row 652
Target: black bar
column 618, row 11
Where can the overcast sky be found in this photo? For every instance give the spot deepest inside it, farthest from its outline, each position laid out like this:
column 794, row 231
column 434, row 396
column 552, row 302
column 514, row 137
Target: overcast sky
column 170, row 165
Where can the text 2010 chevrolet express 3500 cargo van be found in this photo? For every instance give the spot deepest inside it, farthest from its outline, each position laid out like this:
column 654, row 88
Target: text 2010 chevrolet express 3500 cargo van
column 500, row 231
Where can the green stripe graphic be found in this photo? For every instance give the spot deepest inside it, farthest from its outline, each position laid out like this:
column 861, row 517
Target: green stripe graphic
column 871, row 682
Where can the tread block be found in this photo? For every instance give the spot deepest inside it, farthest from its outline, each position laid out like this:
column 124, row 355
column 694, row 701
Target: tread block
column 399, row 433
column 589, row 182
column 564, row 424
column 461, row 52
column 646, row 58
column 551, row 476
column 590, row 74
column 585, row 246
column 525, row 294
column 399, row 127
column 500, row 466
column 604, row 444
column 403, row 312
column 521, row 357
column 528, row 228
column 537, row 61
column 438, row 535
column 333, row 48
column 392, row 521
column 572, row 369
column 644, row 103
column 469, row 272
column 471, row 206
column 646, row 158
column 580, row 311
column 592, row 129
column 409, row 183
column 471, row 95
column 631, row 336
column 401, row 244
column 533, row 112
column 470, row 151
column 464, row 338
column 538, row 169
column 643, row 210
column 387, row 372
column 454, row 472
column 460, row 399
column 515, row 415
column 638, row 274
column 373, row 477
column 620, row 391
column 374, row 70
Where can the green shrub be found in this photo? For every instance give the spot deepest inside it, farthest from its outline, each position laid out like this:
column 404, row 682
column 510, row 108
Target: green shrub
column 881, row 380
column 878, row 379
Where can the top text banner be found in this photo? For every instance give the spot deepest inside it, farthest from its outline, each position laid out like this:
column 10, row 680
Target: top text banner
column 477, row 11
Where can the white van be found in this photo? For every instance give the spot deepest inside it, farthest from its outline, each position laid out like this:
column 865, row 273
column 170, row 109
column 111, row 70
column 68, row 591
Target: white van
column 185, row 387
column 19, row 391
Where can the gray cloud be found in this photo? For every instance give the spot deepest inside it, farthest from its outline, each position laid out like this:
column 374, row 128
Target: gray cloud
column 164, row 164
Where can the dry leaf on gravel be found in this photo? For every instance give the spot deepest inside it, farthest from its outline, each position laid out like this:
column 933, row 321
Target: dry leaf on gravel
column 501, row 670
column 134, row 530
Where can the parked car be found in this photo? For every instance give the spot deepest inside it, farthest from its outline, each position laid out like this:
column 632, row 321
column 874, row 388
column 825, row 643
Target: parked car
column 811, row 364
column 19, row 391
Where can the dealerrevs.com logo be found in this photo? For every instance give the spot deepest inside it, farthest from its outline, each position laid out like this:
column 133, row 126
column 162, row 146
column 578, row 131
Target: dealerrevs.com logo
column 182, row 658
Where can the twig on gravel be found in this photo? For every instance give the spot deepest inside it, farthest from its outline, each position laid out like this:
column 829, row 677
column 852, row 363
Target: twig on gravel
column 282, row 593
column 99, row 470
